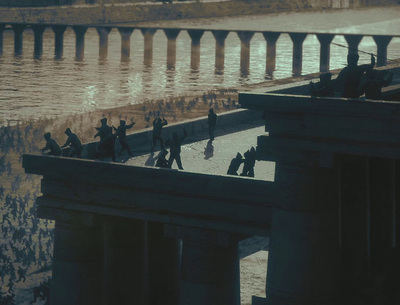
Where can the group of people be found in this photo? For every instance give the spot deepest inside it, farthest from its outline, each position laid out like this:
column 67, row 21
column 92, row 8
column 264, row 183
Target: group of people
column 353, row 81
column 249, row 162
column 109, row 134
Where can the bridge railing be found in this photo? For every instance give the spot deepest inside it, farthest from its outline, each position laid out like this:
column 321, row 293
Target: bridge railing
column 271, row 37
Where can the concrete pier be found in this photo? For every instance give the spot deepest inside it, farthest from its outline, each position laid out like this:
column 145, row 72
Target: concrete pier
column 148, row 35
column 59, row 40
column 297, row 61
column 245, row 38
column 38, row 45
column 325, row 51
column 382, row 43
column 171, row 34
column 125, row 262
column 103, row 42
column 195, row 35
column 126, row 34
column 271, row 38
column 220, row 37
column 80, row 32
column 353, row 41
column 18, row 38
column 77, row 260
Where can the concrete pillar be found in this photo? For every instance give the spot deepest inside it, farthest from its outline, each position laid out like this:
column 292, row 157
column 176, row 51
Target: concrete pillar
column 195, row 35
column 325, row 51
column 245, row 38
column 18, row 38
column 125, row 43
column 148, row 35
column 382, row 43
column 355, row 227
column 2, row 26
column 353, row 41
column 271, row 38
column 220, row 37
column 103, row 41
column 297, row 63
column 171, row 34
column 38, row 46
column 164, row 266
column 304, row 255
column 125, row 262
column 80, row 32
column 59, row 40
column 210, row 267
column 77, row 261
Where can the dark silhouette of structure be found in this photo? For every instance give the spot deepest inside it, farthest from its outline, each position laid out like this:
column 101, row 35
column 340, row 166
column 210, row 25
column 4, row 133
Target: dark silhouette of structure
column 373, row 84
column 161, row 159
column 175, row 150
column 349, row 79
column 324, row 88
column 212, row 122
column 121, row 132
column 249, row 163
column 235, row 164
column 76, row 146
column 51, row 145
column 158, row 124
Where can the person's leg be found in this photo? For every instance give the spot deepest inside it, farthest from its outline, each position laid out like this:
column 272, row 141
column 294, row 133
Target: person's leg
column 178, row 161
column 170, row 160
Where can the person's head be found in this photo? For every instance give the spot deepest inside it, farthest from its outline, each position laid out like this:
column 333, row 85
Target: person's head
column 325, row 78
column 68, row 131
column 103, row 121
column 352, row 59
column 211, row 111
column 371, row 74
column 239, row 156
column 122, row 122
column 47, row 136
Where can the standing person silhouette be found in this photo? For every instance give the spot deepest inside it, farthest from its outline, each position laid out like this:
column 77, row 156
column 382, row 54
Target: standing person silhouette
column 76, row 146
column 349, row 79
column 103, row 130
column 121, row 132
column 212, row 122
column 51, row 145
column 158, row 124
column 175, row 151
column 235, row 164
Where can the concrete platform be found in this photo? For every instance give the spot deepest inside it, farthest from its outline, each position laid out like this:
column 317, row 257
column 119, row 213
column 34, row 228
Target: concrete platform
column 200, row 156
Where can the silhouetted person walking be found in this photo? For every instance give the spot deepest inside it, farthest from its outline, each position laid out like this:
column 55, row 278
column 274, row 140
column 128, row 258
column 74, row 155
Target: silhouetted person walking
column 76, row 146
column 175, row 151
column 158, row 124
column 121, row 132
column 103, row 130
column 51, row 145
column 212, row 122
column 235, row 164
column 162, row 160
column 249, row 162
column 21, row 274
column 106, row 148
column 349, row 79
column 324, row 88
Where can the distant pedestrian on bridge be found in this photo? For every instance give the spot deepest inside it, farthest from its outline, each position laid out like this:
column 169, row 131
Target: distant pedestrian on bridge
column 175, row 151
column 235, row 164
column 212, row 122
column 76, row 146
column 51, row 145
column 249, row 163
column 349, row 79
column 121, row 132
column 158, row 124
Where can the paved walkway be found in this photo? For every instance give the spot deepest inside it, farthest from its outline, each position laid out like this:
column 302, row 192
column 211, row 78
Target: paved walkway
column 199, row 156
